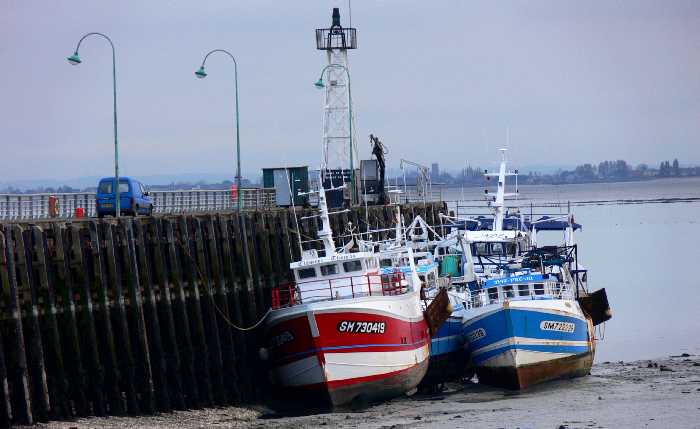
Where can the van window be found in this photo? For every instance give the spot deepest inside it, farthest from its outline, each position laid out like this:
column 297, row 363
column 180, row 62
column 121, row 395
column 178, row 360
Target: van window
column 327, row 270
column 523, row 290
column 107, row 187
column 351, row 266
column 306, row 273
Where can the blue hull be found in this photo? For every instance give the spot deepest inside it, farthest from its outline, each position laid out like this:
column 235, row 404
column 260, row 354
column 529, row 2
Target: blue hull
column 522, row 346
column 448, row 357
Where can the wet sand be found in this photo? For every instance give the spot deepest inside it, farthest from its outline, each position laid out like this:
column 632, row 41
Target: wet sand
column 662, row 393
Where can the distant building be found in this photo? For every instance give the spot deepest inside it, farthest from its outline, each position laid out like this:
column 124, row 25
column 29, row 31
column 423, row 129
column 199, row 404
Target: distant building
column 435, row 173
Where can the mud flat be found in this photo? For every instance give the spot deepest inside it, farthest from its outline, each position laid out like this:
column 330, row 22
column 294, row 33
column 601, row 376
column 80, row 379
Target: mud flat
column 661, row 393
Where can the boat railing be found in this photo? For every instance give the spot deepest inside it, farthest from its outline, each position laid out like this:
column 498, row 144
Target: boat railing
column 519, row 292
column 290, row 294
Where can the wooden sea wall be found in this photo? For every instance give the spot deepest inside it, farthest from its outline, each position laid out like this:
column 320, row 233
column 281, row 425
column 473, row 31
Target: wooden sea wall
column 138, row 316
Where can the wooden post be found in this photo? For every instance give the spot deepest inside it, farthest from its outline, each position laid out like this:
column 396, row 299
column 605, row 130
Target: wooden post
column 127, row 364
column 165, row 315
column 19, row 376
column 69, row 323
column 220, row 303
column 181, row 320
column 152, row 324
column 56, row 374
column 195, row 317
column 136, row 319
column 209, row 316
column 32, row 334
column 233, row 287
column 79, row 272
column 104, row 323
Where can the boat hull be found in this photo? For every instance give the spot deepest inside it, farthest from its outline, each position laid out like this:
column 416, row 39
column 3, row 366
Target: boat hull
column 523, row 376
column 336, row 353
column 522, row 343
column 448, row 357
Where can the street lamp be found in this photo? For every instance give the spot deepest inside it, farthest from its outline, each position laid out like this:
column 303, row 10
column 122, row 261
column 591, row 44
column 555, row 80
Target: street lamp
column 320, row 85
column 201, row 74
column 75, row 60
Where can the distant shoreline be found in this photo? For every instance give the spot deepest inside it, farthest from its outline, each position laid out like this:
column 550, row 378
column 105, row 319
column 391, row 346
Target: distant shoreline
column 592, row 182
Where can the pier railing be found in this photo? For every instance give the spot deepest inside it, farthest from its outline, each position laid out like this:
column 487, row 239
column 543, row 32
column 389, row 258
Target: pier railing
column 38, row 206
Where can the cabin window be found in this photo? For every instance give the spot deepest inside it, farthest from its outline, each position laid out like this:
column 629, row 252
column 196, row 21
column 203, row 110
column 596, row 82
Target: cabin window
column 384, row 263
column 352, row 266
column 480, row 249
column 496, row 248
column 327, row 270
column 511, row 249
column 306, row 273
column 539, row 288
column 508, row 292
column 493, row 294
column 523, row 290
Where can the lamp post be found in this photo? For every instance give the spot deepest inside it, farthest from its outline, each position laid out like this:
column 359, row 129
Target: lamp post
column 320, row 85
column 75, row 60
column 201, row 74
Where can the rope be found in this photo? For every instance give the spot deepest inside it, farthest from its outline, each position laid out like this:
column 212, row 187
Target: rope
column 216, row 307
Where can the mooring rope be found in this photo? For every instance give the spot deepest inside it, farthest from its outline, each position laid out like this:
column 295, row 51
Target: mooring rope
column 218, row 310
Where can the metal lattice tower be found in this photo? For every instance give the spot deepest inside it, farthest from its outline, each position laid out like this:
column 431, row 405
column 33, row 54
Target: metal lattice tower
column 338, row 153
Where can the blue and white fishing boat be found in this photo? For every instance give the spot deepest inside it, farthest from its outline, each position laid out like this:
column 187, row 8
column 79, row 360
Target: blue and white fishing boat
column 528, row 317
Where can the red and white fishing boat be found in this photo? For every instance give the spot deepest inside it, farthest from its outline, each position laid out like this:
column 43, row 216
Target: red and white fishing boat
column 343, row 333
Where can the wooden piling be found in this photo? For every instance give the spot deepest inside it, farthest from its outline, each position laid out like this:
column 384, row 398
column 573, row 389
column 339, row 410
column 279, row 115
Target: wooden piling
column 120, row 322
column 195, row 317
column 152, row 323
column 70, row 337
column 136, row 319
column 32, row 331
column 56, row 374
column 215, row 244
column 211, row 329
column 181, row 320
column 88, row 333
column 166, row 317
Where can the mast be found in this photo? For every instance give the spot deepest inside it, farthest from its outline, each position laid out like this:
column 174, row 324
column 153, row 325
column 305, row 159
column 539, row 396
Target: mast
column 325, row 233
column 499, row 204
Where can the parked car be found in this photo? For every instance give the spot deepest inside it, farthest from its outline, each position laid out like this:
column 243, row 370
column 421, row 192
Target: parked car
column 134, row 198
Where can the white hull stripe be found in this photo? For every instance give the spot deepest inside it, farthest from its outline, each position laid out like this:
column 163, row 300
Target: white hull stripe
column 526, row 341
column 345, row 366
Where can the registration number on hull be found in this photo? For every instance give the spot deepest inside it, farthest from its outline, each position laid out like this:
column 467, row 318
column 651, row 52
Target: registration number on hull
column 360, row 327
column 549, row 325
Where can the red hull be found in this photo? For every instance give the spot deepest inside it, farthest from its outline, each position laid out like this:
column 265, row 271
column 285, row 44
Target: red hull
column 337, row 357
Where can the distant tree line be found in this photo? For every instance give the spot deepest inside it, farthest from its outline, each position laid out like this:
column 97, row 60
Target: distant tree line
column 606, row 171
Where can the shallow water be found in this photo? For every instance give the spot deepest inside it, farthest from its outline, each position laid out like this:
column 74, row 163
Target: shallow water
column 645, row 252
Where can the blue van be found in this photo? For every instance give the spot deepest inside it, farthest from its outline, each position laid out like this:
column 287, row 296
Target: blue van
column 134, row 198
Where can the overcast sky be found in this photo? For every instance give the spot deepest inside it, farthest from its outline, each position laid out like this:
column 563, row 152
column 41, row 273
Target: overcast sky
column 573, row 81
